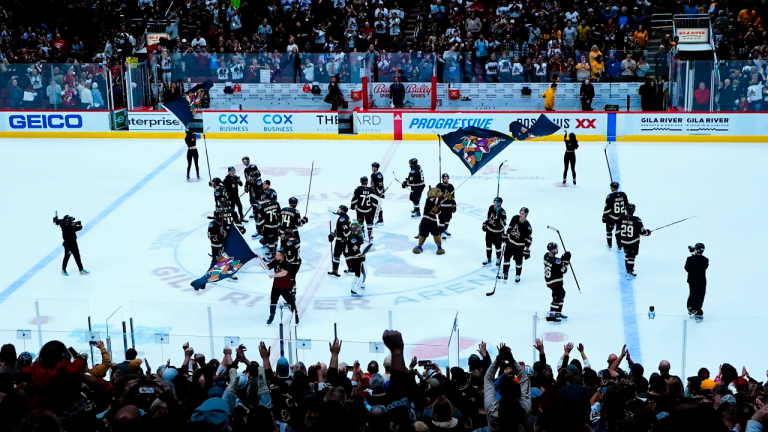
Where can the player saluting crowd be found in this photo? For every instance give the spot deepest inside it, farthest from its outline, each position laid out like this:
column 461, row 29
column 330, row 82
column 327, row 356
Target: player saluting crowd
column 615, row 206
column 554, row 270
column 339, row 238
column 630, row 228
column 518, row 238
column 493, row 227
column 377, row 179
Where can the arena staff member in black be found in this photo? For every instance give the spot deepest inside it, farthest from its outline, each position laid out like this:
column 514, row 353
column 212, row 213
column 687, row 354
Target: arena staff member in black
column 191, row 140
column 69, row 228
column 587, row 95
column 571, row 144
column 397, row 93
column 696, row 265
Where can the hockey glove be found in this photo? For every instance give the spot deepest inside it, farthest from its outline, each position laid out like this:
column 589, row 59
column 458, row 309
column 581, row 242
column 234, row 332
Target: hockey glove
column 526, row 254
column 567, row 256
column 304, row 219
column 405, row 185
column 605, row 218
column 242, row 230
column 331, row 237
column 648, row 232
column 485, row 226
column 453, row 208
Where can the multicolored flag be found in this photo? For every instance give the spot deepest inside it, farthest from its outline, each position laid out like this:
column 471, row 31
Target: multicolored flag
column 542, row 127
column 234, row 254
column 475, row 146
column 185, row 106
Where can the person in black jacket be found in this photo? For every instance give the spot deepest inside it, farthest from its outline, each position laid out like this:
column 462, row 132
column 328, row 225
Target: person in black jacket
column 587, row 95
column 334, row 96
column 69, row 228
column 397, row 93
column 696, row 266
column 571, row 144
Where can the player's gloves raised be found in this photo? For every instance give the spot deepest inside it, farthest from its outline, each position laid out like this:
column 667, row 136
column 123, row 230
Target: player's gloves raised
column 405, row 185
column 526, row 254
column 567, row 256
column 304, row 219
column 331, row 237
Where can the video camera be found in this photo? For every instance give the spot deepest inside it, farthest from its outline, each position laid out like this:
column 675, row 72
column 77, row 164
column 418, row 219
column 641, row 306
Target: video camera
column 699, row 247
column 67, row 220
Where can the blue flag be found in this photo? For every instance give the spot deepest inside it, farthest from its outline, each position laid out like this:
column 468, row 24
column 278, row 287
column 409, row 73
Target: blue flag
column 185, row 106
column 475, row 146
column 234, row 254
column 542, row 127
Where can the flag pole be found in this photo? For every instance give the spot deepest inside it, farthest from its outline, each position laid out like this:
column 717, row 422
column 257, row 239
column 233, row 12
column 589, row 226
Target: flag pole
column 206, row 154
column 440, row 158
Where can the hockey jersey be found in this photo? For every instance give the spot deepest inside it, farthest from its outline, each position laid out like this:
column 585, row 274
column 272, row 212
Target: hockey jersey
column 554, row 269
column 354, row 246
column 363, row 200
column 270, row 214
column 291, row 249
column 415, row 177
column 448, row 204
column 377, row 179
column 290, row 220
column 615, row 204
column 215, row 234
column 518, row 233
column 231, row 184
column 629, row 229
column 342, row 228
column 496, row 220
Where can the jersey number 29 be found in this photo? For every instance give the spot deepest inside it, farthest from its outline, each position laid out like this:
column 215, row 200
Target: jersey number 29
column 627, row 231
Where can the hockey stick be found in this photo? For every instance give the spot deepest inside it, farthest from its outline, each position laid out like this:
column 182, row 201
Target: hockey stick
column 311, row 173
column 208, row 161
column 565, row 250
column 439, row 158
column 681, row 220
column 503, row 247
column 395, row 177
column 605, row 150
column 330, row 231
column 498, row 186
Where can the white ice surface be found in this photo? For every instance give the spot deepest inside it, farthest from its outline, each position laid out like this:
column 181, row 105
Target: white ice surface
column 146, row 240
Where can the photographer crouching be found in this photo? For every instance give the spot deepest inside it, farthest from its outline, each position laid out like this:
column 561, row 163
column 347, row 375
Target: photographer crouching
column 69, row 228
column 696, row 266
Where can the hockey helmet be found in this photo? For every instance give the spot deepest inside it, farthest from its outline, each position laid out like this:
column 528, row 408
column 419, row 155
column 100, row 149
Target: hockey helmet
column 699, row 247
column 525, row 210
column 231, row 169
column 293, row 201
column 343, row 208
column 445, row 176
column 217, row 215
column 247, row 159
column 413, row 162
column 498, row 200
column 615, row 185
column 355, row 227
column 376, row 165
column 216, row 181
column 552, row 246
column 631, row 209
column 364, row 180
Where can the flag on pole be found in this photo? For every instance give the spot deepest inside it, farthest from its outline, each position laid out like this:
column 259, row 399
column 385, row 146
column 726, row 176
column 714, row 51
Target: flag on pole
column 234, row 254
column 542, row 127
column 475, row 146
column 185, row 106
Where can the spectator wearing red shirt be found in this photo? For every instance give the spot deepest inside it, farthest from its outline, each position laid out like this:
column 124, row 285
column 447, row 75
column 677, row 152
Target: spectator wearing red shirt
column 701, row 97
column 60, row 44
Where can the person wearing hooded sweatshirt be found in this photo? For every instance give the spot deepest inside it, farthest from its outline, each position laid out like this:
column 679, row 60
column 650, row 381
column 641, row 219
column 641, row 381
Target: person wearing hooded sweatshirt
column 56, row 377
column 515, row 403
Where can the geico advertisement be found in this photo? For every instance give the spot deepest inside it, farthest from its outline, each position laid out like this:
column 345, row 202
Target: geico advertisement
column 271, row 122
column 427, row 123
column 50, row 121
column 153, row 121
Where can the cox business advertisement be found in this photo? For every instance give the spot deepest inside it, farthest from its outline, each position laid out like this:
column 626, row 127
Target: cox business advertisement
column 153, row 121
column 583, row 124
column 54, row 121
column 272, row 122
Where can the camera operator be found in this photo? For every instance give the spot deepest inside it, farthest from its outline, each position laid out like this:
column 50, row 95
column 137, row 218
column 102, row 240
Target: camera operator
column 69, row 227
column 696, row 266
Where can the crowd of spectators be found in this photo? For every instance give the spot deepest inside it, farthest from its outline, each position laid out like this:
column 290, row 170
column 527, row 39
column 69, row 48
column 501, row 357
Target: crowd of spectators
column 56, row 391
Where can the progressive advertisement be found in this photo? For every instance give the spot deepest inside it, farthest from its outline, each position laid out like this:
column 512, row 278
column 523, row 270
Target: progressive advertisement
column 429, row 123
column 54, row 121
column 153, row 121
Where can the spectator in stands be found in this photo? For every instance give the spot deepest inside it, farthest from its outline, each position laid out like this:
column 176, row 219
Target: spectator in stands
column 583, row 69
column 16, row 93
column 86, row 97
column 54, row 94
column 641, row 37
column 334, row 96
column 701, row 98
column 727, row 98
column 662, row 69
column 755, row 94
column 642, row 68
column 613, row 67
column 587, row 95
column 628, row 68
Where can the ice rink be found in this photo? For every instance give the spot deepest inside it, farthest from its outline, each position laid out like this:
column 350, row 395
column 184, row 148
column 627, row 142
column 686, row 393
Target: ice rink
column 144, row 240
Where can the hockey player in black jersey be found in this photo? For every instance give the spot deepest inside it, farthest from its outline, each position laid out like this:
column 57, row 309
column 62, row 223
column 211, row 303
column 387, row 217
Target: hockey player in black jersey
column 270, row 223
column 339, row 238
column 231, row 185
column 230, row 217
column 430, row 224
column 216, row 236
column 615, row 206
column 267, row 192
column 354, row 246
column 364, row 202
column 291, row 221
column 377, row 180
column 629, row 228
column 415, row 181
column 447, row 206
column 554, row 270
column 518, row 238
column 254, row 196
column 219, row 193
column 493, row 227
column 252, row 181
column 250, row 171
column 291, row 248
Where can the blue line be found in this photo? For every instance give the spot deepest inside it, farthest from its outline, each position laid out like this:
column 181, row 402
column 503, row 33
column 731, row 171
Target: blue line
column 106, row 212
column 628, row 311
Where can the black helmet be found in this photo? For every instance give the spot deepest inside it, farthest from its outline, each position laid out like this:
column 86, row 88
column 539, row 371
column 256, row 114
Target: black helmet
column 231, row 169
column 551, row 246
column 217, row 215
column 446, row 176
column 216, row 181
column 498, row 200
column 413, row 162
column 699, row 247
column 631, row 209
column 267, row 182
column 293, row 201
column 364, row 180
column 343, row 208
column 524, row 209
column 376, row 165
column 246, row 158
column 615, row 185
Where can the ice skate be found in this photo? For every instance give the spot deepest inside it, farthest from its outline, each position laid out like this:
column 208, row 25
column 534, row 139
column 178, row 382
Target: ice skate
column 517, row 278
column 631, row 275
column 84, row 272
column 691, row 314
column 334, row 274
column 698, row 318
column 574, row 182
column 503, row 277
column 487, row 262
column 232, row 279
column 553, row 319
column 297, row 318
column 561, row 317
column 446, row 233
column 444, row 237
column 270, row 319
column 198, row 177
column 354, row 293
column 563, row 182
column 187, row 178
column 64, row 273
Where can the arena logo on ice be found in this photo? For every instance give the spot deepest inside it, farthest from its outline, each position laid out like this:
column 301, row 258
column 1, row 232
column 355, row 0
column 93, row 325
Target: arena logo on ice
column 46, row 121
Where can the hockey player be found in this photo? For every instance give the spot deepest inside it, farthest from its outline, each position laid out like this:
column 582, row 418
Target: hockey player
column 219, row 193
column 339, row 238
column 267, row 191
column 415, row 181
column 293, row 259
column 447, row 206
column 377, row 180
column 554, row 269
column 281, row 285
column 254, row 196
column 364, row 202
column 629, row 228
column 696, row 265
column 231, row 185
column 270, row 224
column 493, row 227
column 430, row 224
column 353, row 250
column 69, row 228
column 291, row 221
column 229, row 217
column 615, row 206
column 518, row 240
column 216, row 236
column 252, row 181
